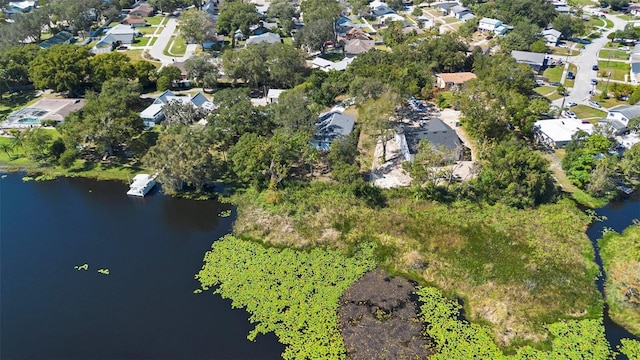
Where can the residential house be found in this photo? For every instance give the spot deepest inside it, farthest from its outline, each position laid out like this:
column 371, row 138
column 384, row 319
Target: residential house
column 379, row 8
column 153, row 114
column 330, row 126
column 551, row 36
column 436, row 131
column 624, row 113
column 62, row 37
column 211, row 8
column 273, row 95
column 492, row 26
column 358, row 46
column 537, row 61
column 327, row 65
column 134, row 21
column 635, row 64
column 117, row 35
column 356, row 33
column 634, row 9
column 21, row 7
column 45, row 109
column 269, row 37
column 556, row 133
column 459, row 12
column 446, row 80
column 142, row 9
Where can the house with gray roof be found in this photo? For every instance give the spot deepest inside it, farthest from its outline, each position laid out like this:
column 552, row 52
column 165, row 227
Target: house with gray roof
column 153, row 114
column 119, row 34
column 459, row 12
column 537, row 61
column 358, row 46
column 551, row 36
column 62, row 37
column 330, row 126
column 439, row 134
column 624, row 113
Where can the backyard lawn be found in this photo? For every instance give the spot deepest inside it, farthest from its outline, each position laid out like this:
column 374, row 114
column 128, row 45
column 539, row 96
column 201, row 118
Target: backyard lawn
column 587, row 112
column 141, row 41
column 618, row 69
column 147, row 30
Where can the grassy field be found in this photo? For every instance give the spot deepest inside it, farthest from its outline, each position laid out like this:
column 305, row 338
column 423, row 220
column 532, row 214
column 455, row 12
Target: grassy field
column 618, row 69
column 621, row 258
column 502, row 262
column 548, row 91
column 155, row 20
column 564, row 51
column 136, row 55
column 553, row 73
column 615, row 54
column 587, row 112
column 153, row 40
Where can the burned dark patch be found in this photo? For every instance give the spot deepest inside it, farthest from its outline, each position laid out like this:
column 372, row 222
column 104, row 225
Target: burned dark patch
column 378, row 319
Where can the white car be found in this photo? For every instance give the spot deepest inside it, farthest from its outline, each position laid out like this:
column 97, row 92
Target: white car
column 570, row 115
column 571, row 104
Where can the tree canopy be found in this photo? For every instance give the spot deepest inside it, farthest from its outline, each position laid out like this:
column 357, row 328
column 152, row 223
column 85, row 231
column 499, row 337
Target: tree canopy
column 61, row 68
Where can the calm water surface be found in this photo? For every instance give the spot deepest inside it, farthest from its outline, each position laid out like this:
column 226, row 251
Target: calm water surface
column 144, row 309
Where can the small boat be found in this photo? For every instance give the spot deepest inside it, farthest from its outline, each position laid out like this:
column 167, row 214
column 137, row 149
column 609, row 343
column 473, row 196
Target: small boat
column 141, row 184
column 625, row 189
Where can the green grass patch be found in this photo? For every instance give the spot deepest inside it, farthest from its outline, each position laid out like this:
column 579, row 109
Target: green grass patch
column 564, row 51
column 141, row 41
column 627, row 17
column 618, row 69
column 621, row 258
column 288, row 40
column 588, row 112
column 613, row 54
column 156, row 20
column 147, row 30
column 176, row 47
column 153, row 40
column 553, row 74
column 608, row 23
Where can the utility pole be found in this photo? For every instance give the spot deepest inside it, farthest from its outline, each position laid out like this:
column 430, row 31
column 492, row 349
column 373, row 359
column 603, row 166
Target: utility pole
column 606, row 94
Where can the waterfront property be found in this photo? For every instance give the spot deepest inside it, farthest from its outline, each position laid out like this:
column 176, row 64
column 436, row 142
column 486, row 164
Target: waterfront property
column 556, row 133
column 331, row 126
column 439, row 134
column 45, row 109
column 153, row 114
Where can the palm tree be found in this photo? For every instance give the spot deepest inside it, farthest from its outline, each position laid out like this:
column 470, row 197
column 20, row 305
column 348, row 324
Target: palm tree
column 6, row 148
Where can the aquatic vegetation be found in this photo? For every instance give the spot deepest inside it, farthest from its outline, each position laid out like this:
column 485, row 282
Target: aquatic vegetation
column 225, row 213
column 104, row 271
column 456, row 339
column 82, row 267
column 27, row 178
column 621, row 259
column 293, row 293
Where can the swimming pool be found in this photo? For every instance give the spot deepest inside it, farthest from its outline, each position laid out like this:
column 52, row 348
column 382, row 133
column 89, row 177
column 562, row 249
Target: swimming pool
column 29, row 121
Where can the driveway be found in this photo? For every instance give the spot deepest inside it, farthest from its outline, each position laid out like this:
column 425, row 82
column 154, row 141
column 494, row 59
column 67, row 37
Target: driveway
column 585, row 61
column 157, row 50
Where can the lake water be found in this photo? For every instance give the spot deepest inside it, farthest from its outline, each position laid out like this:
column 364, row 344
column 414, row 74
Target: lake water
column 145, row 308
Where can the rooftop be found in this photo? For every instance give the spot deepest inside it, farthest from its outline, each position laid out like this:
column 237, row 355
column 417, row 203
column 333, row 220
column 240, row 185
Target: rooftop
column 561, row 130
column 457, row 78
column 629, row 111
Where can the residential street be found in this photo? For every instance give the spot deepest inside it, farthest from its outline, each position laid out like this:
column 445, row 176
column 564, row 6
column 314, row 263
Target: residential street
column 157, row 50
column 584, row 62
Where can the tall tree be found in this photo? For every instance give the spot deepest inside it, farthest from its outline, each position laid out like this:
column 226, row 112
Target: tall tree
column 61, row 68
column 376, row 116
column 15, row 62
column 284, row 12
column 292, row 113
column 196, row 25
column 179, row 113
column 167, row 76
column 111, row 65
column 430, row 164
column 199, row 66
column 236, row 15
column 146, row 73
column 182, row 155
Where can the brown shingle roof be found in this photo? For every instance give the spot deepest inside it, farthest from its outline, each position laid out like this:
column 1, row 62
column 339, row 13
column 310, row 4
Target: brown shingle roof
column 457, row 78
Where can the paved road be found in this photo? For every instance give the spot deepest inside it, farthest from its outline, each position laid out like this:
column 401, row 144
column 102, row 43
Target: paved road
column 584, row 62
column 157, row 50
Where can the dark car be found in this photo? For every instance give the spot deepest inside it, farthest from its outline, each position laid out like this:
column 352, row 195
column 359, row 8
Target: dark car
column 595, row 67
column 570, row 75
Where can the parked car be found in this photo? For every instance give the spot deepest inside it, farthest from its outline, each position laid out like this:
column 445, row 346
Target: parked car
column 624, row 97
column 489, row 37
column 570, row 114
column 539, row 82
column 555, row 83
column 595, row 67
column 572, row 104
column 595, row 104
column 571, row 75
column 594, row 82
column 123, row 47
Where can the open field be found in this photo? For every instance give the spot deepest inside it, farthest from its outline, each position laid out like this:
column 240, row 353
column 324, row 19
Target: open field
column 618, row 69
column 613, row 54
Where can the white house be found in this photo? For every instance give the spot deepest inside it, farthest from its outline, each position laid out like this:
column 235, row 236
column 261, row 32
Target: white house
column 494, row 26
column 459, row 11
column 21, row 6
column 556, row 133
column 551, row 36
column 268, row 37
column 327, row 65
column 153, row 114
column 624, row 113
column 119, row 34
